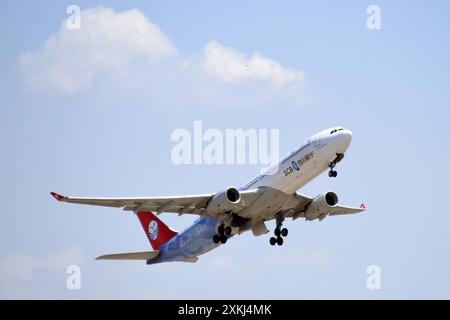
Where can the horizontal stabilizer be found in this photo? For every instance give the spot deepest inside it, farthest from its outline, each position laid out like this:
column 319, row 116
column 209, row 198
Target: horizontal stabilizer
column 146, row 255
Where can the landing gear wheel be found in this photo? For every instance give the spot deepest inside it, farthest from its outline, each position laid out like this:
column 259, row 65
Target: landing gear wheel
column 277, row 232
column 223, row 239
column 216, row 238
column 273, row 241
column 280, row 241
column 332, row 173
column 221, row 229
column 228, row 230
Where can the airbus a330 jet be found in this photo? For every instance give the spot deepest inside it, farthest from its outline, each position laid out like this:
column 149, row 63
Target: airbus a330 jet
column 272, row 195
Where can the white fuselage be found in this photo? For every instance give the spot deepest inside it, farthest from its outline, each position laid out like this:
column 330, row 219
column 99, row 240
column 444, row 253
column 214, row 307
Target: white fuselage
column 305, row 163
column 280, row 182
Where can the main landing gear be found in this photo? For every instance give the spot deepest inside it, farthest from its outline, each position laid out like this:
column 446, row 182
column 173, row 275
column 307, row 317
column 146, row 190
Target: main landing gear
column 333, row 173
column 222, row 234
column 279, row 232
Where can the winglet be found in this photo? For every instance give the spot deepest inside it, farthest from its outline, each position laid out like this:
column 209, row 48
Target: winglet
column 363, row 206
column 57, row 196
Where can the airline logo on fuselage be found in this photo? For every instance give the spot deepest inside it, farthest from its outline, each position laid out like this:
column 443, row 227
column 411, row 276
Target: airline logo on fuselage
column 153, row 230
column 296, row 165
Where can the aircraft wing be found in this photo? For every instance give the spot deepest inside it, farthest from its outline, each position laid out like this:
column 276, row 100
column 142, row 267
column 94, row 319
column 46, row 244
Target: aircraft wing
column 340, row 210
column 190, row 204
column 300, row 203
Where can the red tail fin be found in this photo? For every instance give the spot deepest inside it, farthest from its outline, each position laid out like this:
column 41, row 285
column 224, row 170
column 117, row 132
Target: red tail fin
column 157, row 232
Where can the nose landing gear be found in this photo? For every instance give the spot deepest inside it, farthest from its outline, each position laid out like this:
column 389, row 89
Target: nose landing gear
column 279, row 232
column 222, row 234
column 333, row 173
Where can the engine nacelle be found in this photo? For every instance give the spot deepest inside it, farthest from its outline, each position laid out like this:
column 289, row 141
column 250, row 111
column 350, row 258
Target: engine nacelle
column 321, row 206
column 224, row 201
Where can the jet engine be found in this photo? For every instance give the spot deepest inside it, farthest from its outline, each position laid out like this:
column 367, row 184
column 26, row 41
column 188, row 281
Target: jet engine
column 321, row 206
column 224, row 201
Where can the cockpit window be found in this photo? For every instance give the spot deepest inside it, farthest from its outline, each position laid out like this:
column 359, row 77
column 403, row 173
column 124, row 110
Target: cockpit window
column 336, row 130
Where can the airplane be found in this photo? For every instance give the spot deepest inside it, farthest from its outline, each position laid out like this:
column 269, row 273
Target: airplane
column 272, row 195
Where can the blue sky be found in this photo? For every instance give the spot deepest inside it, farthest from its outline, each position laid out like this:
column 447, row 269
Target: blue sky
column 80, row 126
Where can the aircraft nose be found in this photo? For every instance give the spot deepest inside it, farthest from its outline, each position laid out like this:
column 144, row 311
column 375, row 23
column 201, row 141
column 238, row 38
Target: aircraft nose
column 345, row 138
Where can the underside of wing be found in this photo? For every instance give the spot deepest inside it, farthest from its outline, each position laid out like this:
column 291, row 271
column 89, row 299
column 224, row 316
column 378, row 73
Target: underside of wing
column 341, row 210
column 298, row 205
column 192, row 204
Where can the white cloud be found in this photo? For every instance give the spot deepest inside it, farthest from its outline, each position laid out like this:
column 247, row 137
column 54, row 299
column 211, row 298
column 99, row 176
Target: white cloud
column 62, row 259
column 128, row 54
column 106, row 43
column 231, row 66
column 21, row 267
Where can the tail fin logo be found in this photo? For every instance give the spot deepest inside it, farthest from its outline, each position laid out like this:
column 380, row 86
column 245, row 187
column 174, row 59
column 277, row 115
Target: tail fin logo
column 157, row 232
column 153, row 230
